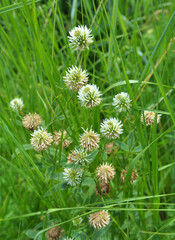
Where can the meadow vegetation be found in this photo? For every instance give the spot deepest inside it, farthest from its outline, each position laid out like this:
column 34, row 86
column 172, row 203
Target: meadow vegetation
column 96, row 161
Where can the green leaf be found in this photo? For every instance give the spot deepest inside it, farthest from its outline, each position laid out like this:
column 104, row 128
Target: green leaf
column 87, row 181
column 131, row 140
column 137, row 149
column 92, row 156
column 121, row 145
column 31, row 233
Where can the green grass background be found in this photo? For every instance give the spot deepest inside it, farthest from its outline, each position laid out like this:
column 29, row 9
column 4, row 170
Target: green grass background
column 133, row 48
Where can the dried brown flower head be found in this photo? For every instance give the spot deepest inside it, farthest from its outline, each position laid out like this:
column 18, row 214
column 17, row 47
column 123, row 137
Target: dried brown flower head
column 89, row 140
column 134, row 175
column 32, row 121
column 54, row 233
column 99, row 219
column 58, row 136
column 149, row 118
column 105, row 173
column 105, row 189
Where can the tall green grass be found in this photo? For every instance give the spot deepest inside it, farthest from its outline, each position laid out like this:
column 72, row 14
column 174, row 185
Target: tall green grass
column 129, row 39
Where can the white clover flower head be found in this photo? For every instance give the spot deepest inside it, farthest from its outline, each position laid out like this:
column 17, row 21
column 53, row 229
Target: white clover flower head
column 79, row 156
column 76, row 222
column 122, row 102
column 105, row 173
column 41, row 139
column 89, row 140
column 111, row 128
column 72, row 176
column 99, row 219
column 149, row 118
column 16, row 104
column 89, row 96
column 80, row 38
column 75, row 78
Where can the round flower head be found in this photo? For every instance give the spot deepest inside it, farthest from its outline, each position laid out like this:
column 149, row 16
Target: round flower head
column 78, row 156
column 89, row 140
column 80, row 38
column 32, row 121
column 99, row 219
column 134, row 175
column 54, row 233
column 121, row 102
column 89, row 96
column 149, row 117
column 76, row 222
column 41, row 139
column 111, row 128
column 61, row 136
column 105, row 173
column 75, row 78
column 72, row 176
column 16, row 104
column 105, row 189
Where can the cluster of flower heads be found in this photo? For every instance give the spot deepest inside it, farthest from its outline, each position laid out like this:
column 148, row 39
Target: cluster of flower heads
column 89, row 95
column 75, row 78
column 41, row 139
column 89, row 141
